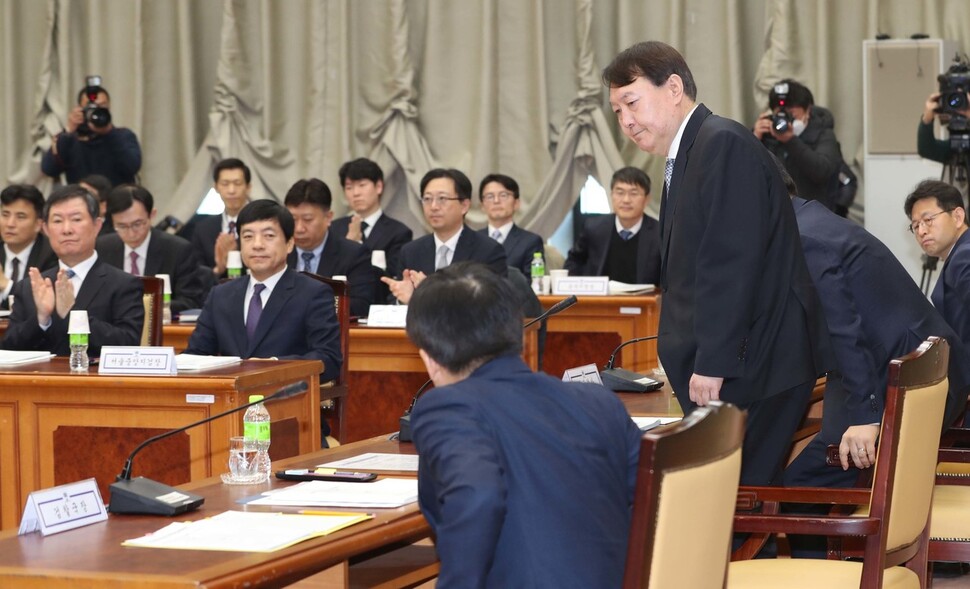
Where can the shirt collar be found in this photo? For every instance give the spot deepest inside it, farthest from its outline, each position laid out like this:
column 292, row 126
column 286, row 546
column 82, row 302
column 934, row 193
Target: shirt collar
column 675, row 144
column 141, row 250
column 451, row 243
column 24, row 254
column 269, row 283
column 504, row 229
column 317, row 251
column 372, row 218
column 81, row 270
column 633, row 230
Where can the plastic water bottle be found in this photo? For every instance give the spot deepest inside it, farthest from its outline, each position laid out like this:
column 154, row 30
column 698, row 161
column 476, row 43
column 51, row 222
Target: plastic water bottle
column 167, row 309
column 256, row 431
column 538, row 268
column 79, row 352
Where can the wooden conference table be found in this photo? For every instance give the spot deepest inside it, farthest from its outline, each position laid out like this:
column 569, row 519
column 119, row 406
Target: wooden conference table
column 93, row 556
column 57, row 427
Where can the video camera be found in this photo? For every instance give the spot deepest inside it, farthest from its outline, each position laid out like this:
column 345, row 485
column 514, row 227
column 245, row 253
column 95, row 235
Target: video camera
column 95, row 116
column 781, row 121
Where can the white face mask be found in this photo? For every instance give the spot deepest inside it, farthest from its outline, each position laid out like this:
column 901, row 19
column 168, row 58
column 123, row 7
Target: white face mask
column 797, row 127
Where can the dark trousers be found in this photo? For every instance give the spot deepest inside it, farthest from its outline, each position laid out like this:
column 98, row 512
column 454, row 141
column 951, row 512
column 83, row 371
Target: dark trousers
column 769, row 428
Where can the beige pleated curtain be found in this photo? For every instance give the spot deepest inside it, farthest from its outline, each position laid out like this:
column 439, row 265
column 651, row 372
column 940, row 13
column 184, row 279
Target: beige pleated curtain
column 296, row 87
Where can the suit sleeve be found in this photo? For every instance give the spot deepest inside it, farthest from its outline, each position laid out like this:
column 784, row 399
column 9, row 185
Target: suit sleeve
column 188, row 289
column 204, row 340
column 322, row 332
column 461, row 486
column 127, row 316
column 402, row 237
column 363, row 283
column 735, row 194
column 576, row 260
column 861, row 371
column 957, row 276
column 23, row 331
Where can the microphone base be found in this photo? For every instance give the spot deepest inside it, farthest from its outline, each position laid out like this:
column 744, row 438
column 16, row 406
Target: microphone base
column 404, row 433
column 147, row 497
column 617, row 379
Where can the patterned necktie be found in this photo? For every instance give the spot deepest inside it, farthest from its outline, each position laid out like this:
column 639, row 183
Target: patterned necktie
column 307, row 260
column 442, row 260
column 626, row 234
column 363, row 231
column 71, row 273
column 134, row 263
column 232, row 228
column 255, row 310
column 668, row 172
column 15, row 270
column 497, row 235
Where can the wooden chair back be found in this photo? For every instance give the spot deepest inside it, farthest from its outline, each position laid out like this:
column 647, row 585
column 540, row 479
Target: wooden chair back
column 341, row 300
column 151, row 333
column 687, row 480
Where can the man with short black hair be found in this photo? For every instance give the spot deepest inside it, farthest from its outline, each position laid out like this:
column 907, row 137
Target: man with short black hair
column 938, row 220
column 499, row 197
column 214, row 236
column 110, row 151
column 514, row 495
column 320, row 251
column 42, row 304
column 141, row 250
column 272, row 312
column 625, row 245
column 363, row 184
column 24, row 246
column 446, row 197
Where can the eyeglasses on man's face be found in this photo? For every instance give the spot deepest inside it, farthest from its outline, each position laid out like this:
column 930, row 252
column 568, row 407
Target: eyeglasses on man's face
column 927, row 221
column 497, row 196
column 135, row 226
column 436, row 199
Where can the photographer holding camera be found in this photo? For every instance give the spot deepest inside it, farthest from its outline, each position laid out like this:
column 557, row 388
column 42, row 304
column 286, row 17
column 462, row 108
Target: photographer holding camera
column 952, row 103
column 90, row 144
column 801, row 135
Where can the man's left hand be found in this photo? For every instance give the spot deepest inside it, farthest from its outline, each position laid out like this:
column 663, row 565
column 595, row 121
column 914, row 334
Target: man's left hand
column 859, row 443
column 63, row 294
column 704, row 389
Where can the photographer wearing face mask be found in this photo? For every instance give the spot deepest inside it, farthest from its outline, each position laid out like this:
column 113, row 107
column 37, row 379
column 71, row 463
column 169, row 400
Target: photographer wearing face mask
column 91, row 144
column 801, row 135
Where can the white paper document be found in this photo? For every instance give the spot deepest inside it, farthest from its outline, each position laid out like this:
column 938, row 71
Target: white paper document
column 377, row 461
column 648, row 422
column 385, row 493
column 197, row 362
column 16, row 358
column 241, row 531
column 623, row 288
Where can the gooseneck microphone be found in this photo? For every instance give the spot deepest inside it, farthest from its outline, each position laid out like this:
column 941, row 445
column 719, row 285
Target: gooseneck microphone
column 617, row 379
column 145, row 496
column 404, row 433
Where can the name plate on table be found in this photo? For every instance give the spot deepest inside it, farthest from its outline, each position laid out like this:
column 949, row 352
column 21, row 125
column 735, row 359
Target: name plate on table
column 63, row 508
column 588, row 373
column 387, row 316
column 138, row 360
column 582, row 286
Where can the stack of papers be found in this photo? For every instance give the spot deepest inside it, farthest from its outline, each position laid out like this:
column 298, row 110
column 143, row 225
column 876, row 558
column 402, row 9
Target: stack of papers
column 648, row 422
column 385, row 493
column 622, row 288
column 15, row 358
column 196, row 362
column 377, row 461
column 241, row 531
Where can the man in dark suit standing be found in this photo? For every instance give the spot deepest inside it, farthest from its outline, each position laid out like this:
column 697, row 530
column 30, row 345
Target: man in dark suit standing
column 363, row 184
column 141, row 250
column 526, row 480
column 446, row 197
column 499, row 197
column 740, row 319
column 273, row 312
column 42, row 304
column 24, row 246
column 625, row 245
column 875, row 313
column 214, row 236
column 320, row 251
column 938, row 220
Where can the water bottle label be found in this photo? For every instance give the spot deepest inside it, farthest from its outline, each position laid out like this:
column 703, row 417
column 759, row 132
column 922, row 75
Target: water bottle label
column 258, row 431
column 78, row 339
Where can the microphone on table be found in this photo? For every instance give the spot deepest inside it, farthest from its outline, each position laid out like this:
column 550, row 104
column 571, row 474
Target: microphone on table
column 618, row 379
column 404, row 433
column 145, row 496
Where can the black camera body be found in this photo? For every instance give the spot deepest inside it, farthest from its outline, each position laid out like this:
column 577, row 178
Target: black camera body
column 95, row 115
column 781, row 121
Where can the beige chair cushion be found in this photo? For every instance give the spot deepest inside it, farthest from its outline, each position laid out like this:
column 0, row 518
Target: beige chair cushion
column 954, row 469
column 950, row 518
column 809, row 573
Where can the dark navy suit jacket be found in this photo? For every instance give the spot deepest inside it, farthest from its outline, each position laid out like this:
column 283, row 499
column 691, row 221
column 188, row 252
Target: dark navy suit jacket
column 167, row 254
column 41, row 257
column 202, row 231
column 112, row 298
column 951, row 296
column 875, row 312
column 589, row 254
column 387, row 234
column 298, row 323
column 520, row 245
column 342, row 257
column 472, row 246
column 526, row 480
